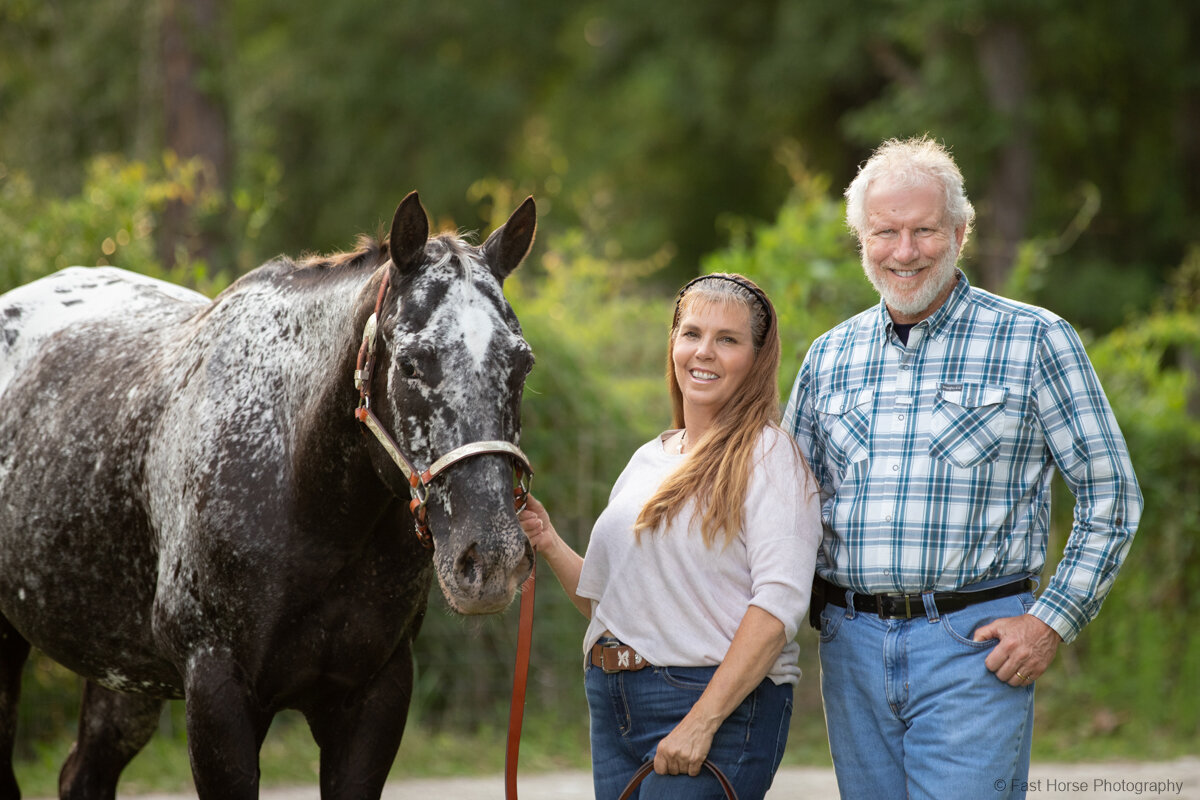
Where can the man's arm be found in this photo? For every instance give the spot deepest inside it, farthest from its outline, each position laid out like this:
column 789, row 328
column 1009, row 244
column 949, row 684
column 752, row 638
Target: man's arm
column 1090, row 453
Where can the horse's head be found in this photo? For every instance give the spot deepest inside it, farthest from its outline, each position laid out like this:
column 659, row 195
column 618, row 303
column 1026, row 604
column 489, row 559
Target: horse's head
column 451, row 369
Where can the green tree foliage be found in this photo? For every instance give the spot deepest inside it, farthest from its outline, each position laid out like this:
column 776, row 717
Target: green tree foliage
column 69, row 87
column 111, row 221
column 648, row 122
column 1135, row 666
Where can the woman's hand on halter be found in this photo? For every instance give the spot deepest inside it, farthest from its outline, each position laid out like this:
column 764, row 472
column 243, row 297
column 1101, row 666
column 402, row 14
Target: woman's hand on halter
column 537, row 526
column 565, row 562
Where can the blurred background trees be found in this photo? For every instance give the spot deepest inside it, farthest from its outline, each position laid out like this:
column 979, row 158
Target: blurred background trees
column 194, row 139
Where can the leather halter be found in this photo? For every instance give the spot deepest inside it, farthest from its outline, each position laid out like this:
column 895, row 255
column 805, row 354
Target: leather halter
column 418, row 479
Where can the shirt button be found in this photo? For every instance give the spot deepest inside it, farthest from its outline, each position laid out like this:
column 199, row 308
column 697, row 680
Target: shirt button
column 895, row 467
column 900, row 417
column 887, row 518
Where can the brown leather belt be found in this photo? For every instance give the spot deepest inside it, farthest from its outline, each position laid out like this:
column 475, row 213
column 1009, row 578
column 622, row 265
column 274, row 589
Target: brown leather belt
column 616, row 657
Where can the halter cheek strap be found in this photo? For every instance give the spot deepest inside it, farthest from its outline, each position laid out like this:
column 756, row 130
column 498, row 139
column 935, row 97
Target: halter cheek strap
column 419, row 480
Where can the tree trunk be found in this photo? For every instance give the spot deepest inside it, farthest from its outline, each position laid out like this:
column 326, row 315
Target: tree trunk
column 1006, row 205
column 196, row 125
column 1187, row 131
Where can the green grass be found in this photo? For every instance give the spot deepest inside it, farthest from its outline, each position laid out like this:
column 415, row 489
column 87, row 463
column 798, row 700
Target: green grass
column 289, row 756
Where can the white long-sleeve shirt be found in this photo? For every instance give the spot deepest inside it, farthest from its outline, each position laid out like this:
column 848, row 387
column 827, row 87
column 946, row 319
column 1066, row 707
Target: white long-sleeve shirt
column 677, row 601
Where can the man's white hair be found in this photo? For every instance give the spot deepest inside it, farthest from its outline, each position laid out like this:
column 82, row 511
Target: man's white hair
column 906, row 164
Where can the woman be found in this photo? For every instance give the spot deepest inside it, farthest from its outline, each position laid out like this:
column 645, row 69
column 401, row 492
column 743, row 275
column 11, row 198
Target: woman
column 698, row 572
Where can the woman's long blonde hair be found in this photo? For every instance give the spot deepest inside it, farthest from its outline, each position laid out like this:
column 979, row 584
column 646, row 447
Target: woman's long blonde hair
column 718, row 472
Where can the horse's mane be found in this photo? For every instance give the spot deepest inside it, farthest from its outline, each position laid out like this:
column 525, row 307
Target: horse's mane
column 371, row 251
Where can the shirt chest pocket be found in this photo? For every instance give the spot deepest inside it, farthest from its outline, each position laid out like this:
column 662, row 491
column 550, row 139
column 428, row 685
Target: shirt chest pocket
column 967, row 423
column 845, row 419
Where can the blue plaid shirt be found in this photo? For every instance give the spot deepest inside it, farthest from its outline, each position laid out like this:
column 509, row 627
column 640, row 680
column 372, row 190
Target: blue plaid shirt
column 935, row 459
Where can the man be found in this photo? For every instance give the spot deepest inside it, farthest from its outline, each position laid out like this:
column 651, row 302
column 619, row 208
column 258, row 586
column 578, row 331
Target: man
column 933, row 424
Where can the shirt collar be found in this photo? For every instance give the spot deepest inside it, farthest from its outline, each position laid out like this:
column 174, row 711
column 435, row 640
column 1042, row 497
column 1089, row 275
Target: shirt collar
column 937, row 322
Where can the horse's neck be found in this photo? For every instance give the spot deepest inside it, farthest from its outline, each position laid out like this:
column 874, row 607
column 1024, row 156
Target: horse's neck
column 331, row 322
column 299, row 337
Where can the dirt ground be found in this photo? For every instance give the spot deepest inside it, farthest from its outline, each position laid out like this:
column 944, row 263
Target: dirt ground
column 1113, row 781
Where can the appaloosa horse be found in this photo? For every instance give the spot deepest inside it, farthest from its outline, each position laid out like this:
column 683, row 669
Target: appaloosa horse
column 189, row 507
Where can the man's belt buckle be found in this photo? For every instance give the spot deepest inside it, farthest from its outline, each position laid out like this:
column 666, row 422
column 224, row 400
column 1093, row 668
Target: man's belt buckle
column 893, row 601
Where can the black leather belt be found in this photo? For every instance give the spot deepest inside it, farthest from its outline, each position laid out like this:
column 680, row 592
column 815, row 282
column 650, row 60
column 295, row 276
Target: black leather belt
column 907, row 606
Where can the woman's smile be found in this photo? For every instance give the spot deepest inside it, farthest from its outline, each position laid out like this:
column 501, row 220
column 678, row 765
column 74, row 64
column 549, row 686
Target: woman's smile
column 712, row 354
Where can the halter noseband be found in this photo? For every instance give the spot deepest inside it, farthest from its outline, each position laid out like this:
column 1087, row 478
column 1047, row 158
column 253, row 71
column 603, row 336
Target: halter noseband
column 419, row 480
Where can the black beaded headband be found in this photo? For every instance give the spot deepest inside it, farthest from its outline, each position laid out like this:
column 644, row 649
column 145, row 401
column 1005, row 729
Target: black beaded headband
column 742, row 282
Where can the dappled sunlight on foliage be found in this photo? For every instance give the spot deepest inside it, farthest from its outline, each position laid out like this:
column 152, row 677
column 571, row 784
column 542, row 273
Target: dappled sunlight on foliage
column 111, row 221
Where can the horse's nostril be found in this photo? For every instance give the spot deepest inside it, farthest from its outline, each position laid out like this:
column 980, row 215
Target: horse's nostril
column 467, row 567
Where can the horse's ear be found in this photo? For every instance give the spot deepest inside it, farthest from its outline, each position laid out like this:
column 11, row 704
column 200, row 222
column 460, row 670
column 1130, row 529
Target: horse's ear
column 508, row 245
column 410, row 231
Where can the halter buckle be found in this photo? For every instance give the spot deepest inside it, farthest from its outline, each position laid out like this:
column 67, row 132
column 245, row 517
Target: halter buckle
column 521, row 490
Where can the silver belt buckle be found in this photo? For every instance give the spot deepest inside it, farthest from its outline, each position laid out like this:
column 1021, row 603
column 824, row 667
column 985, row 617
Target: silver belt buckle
column 879, row 611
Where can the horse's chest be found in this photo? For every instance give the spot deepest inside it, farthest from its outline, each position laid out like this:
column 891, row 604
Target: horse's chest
column 345, row 636
column 311, row 615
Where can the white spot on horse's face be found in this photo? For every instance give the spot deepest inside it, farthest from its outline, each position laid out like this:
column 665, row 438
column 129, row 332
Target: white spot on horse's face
column 21, row 594
column 463, row 327
column 477, row 327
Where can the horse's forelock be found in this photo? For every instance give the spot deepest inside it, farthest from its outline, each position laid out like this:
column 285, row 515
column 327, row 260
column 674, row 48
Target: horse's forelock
column 446, row 249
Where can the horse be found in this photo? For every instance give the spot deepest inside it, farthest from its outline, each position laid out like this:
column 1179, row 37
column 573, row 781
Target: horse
column 191, row 506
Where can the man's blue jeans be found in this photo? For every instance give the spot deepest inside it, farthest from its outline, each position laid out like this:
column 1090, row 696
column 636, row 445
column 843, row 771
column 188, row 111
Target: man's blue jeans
column 912, row 710
column 631, row 712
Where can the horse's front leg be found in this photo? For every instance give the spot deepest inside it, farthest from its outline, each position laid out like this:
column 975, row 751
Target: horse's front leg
column 225, row 727
column 359, row 733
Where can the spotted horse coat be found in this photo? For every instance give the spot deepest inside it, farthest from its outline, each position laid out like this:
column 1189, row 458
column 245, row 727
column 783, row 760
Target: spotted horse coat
column 189, row 508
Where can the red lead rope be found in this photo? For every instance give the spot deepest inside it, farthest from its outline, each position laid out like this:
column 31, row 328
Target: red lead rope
column 516, row 708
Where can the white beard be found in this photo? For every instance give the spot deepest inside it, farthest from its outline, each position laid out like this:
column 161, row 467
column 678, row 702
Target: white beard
column 941, row 275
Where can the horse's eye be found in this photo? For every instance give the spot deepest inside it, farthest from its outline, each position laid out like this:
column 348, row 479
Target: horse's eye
column 408, row 368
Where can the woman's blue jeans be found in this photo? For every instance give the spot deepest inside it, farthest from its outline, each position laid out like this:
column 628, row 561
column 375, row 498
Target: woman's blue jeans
column 913, row 712
column 631, row 712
